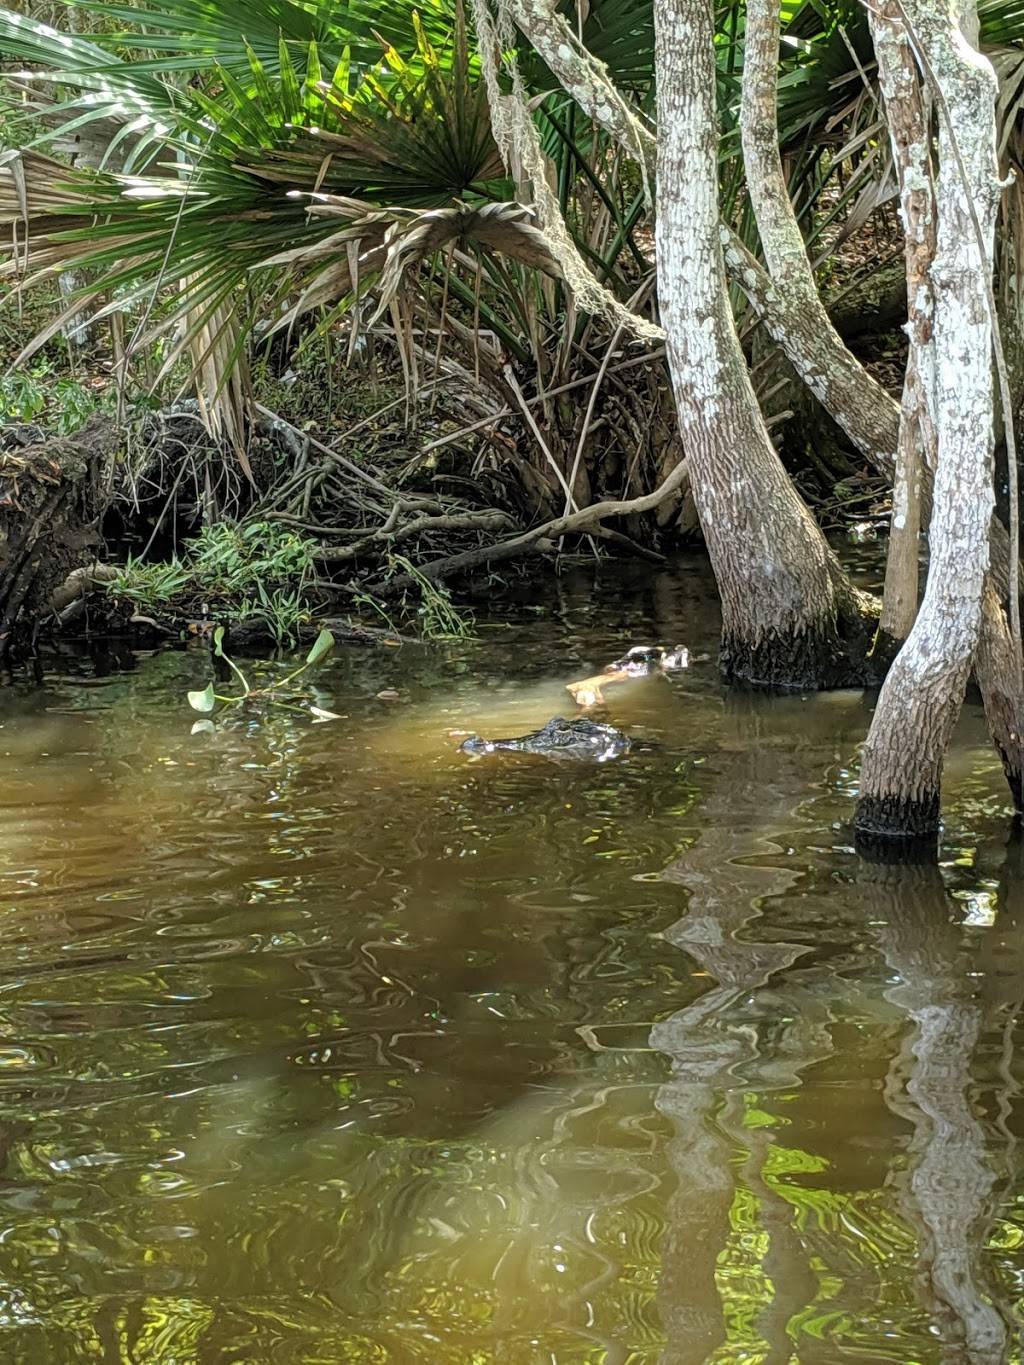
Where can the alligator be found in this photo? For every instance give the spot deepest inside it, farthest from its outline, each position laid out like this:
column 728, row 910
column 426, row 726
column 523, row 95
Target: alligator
column 559, row 739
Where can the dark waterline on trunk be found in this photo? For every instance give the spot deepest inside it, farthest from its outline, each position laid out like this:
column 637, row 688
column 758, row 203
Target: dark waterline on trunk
column 329, row 1043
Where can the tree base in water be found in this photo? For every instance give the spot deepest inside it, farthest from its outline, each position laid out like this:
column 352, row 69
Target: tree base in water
column 806, row 660
column 889, row 818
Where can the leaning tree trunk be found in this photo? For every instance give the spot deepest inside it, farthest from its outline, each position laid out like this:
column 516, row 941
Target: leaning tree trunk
column 854, row 398
column 945, row 1185
column 922, row 695
column 789, row 616
column 996, row 669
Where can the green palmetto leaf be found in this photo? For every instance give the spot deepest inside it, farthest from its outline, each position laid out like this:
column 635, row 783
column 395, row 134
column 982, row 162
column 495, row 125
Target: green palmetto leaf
column 72, row 83
column 174, row 36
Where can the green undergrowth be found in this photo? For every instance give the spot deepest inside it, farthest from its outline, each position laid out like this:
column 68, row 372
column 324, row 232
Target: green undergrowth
column 60, row 403
column 429, row 604
column 262, row 574
column 259, row 573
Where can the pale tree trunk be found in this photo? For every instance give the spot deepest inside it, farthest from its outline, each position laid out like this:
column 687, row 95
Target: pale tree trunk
column 922, row 695
column 907, row 117
column 789, row 616
column 849, row 394
column 852, row 397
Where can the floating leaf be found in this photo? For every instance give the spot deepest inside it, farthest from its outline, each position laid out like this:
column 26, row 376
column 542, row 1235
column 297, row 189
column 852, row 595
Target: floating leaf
column 203, row 727
column 320, row 715
column 321, row 645
column 204, row 700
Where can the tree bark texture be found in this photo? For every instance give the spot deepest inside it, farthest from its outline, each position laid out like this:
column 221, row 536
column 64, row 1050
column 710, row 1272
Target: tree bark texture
column 907, row 117
column 997, row 674
column 921, row 698
column 583, row 77
column 853, row 397
column 789, row 616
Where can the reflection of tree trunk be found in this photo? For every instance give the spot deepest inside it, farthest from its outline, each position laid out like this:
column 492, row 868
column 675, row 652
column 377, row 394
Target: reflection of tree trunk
column 750, row 808
column 947, row 1195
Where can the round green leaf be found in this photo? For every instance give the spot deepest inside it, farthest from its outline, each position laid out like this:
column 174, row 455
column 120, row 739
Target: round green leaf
column 204, row 700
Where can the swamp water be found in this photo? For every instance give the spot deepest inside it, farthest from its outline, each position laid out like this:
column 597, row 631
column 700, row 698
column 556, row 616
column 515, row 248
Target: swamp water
column 323, row 1043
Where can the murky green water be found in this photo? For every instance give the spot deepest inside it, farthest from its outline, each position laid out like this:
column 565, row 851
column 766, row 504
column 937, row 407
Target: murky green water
column 322, row 1043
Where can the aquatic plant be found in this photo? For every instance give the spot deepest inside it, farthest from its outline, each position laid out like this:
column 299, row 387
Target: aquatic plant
column 277, row 692
column 438, row 616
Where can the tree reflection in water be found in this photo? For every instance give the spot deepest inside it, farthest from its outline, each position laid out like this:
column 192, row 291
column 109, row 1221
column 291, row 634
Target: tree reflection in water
column 705, row 1097
column 747, row 1265
column 946, row 1187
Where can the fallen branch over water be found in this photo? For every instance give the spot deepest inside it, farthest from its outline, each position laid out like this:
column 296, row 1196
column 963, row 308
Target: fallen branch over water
column 541, row 538
column 391, row 533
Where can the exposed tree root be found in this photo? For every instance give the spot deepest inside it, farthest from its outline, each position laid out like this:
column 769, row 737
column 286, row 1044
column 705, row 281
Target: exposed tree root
column 51, row 499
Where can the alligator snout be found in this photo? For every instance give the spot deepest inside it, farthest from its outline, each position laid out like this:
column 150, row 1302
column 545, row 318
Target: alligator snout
column 560, row 739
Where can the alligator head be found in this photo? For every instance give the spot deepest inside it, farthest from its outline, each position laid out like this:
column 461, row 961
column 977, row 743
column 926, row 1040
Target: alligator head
column 559, row 739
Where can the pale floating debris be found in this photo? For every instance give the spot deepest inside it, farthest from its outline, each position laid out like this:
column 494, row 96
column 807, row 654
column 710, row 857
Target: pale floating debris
column 320, row 716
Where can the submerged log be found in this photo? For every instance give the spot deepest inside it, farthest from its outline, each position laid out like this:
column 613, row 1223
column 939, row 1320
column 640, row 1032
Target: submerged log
column 52, row 495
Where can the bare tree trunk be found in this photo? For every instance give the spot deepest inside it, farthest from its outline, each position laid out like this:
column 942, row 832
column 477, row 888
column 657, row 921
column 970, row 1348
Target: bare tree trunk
column 997, row 674
column 852, row 397
column 921, row 698
column 789, row 616
column 909, row 133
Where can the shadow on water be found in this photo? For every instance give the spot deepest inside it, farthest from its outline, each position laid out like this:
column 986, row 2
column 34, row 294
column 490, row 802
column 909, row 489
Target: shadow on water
column 324, row 1043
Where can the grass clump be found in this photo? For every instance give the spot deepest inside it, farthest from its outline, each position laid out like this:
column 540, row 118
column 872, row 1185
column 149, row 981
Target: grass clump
column 430, row 603
column 259, row 572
